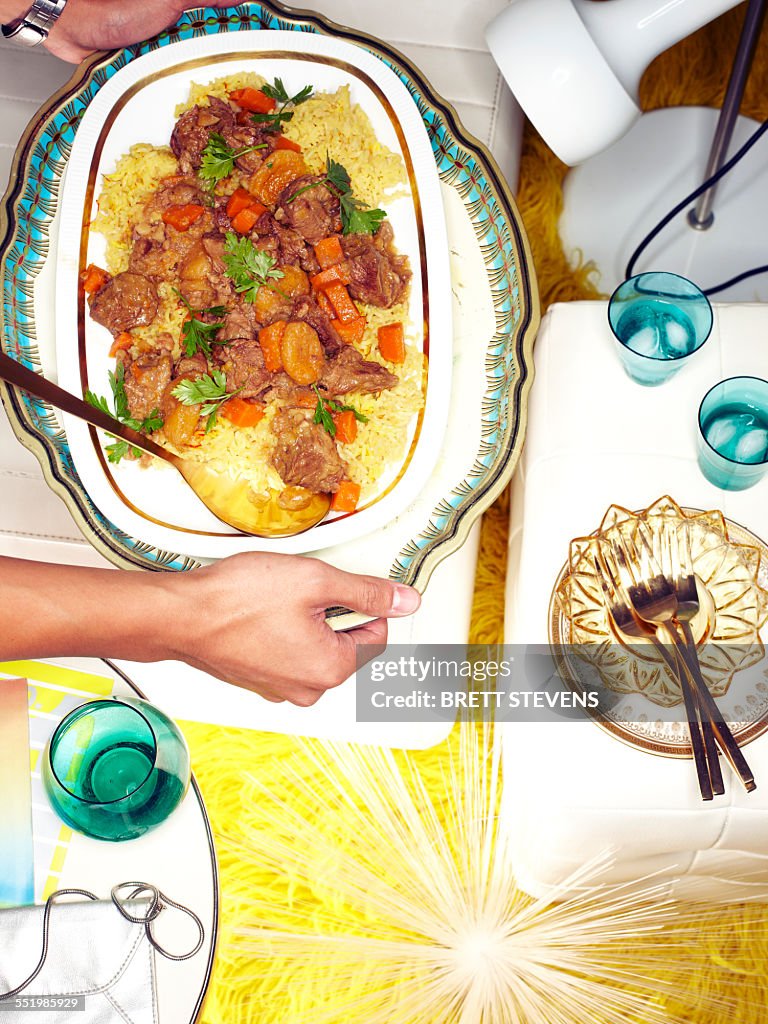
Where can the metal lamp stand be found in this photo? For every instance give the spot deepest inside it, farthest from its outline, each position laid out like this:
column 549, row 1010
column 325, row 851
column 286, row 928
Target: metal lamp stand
column 612, row 200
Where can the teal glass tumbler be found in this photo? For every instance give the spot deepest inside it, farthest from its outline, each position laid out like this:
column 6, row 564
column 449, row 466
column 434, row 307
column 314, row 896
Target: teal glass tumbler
column 115, row 768
column 733, row 433
column 658, row 321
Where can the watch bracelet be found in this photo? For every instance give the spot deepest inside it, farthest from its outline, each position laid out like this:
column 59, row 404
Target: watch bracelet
column 33, row 27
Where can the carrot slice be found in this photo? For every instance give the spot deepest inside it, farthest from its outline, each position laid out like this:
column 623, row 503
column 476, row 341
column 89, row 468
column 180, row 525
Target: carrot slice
column 328, row 251
column 338, row 273
column 242, row 413
column 281, row 142
column 245, row 220
column 392, row 342
column 340, row 299
column 240, row 199
column 346, row 497
column 346, row 426
column 94, row 279
column 183, row 217
column 351, row 331
column 122, row 341
column 254, row 100
column 270, row 338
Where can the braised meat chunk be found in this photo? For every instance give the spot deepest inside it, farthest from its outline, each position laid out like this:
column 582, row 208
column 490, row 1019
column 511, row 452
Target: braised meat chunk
column 151, row 258
column 379, row 275
column 145, row 380
column 193, row 129
column 176, row 191
column 191, row 366
column 309, row 207
column 243, row 363
column 195, row 283
column 304, row 454
column 243, row 136
column 239, row 323
column 285, row 244
column 348, row 371
column 127, row 300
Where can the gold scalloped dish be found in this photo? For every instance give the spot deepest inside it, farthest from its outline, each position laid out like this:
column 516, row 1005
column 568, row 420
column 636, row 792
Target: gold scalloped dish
column 731, row 568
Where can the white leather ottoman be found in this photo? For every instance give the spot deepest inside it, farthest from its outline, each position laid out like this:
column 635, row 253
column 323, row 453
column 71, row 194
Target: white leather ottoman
column 572, row 789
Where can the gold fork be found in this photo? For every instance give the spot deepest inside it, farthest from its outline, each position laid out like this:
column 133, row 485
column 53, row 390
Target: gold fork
column 683, row 585
column 654, row 599
column 679, row 571
column 622, row 610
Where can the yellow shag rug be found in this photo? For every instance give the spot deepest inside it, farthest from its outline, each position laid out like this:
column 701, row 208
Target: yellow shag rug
column 728, row 985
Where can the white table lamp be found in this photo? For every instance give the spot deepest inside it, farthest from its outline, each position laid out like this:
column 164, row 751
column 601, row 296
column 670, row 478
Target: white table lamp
column 575, row 67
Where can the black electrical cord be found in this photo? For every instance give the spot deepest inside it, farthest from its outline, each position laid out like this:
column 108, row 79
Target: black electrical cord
column 727, row 166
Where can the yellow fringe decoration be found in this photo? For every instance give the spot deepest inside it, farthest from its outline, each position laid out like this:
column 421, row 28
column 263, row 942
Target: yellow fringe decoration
column 693, row 72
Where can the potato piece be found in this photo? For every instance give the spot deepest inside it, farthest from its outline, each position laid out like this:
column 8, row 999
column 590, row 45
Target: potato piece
column 278, row 170
column 179, row 421
column 293, row 282
column 194, row 278
column 302, row 352
column 270, row 305
column 273, row 299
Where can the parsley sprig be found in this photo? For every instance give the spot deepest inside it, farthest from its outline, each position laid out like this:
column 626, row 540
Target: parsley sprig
column 208, row 391
column 277, row 91
column 326, row 406
column 247, row 267
column 356, row 218
column 115, row 452
column 196, row 334
column 219, row 158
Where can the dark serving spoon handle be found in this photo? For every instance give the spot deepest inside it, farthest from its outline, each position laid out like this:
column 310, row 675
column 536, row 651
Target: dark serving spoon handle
column 20, row 376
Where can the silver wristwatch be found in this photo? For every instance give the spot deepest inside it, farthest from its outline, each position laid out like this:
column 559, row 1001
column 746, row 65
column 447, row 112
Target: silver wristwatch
column 33, row 27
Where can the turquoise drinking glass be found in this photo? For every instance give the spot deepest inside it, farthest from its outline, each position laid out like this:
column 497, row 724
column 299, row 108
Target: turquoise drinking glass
column 658, row 320
column 114, row 769
column 733, row 433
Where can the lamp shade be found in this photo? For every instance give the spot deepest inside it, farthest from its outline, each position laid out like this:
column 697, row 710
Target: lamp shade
column 560, row 78
column 575, row 65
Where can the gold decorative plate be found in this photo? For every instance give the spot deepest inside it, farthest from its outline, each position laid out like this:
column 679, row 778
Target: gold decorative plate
column 640, row 701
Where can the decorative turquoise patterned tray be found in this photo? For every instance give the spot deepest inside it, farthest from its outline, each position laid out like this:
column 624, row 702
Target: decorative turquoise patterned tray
column 495, row 310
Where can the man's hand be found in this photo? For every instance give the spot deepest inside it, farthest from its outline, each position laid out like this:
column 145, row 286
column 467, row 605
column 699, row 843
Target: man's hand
column 255, row 620
column 88, row 25
column 258, row 621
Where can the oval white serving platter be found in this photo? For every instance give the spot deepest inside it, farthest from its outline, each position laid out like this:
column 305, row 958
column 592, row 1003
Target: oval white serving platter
column 153, row 504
